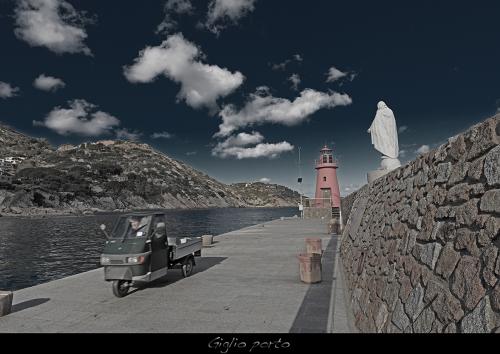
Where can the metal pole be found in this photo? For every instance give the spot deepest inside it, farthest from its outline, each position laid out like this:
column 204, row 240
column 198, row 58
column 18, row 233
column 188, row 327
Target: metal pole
column 300, row 188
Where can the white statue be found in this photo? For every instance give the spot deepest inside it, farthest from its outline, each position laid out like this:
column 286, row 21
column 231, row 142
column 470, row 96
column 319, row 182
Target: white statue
column 384, row 134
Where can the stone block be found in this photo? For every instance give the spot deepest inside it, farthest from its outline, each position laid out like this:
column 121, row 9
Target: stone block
column 6, row 302
column 476, row 170
column 490, row 202
column 466, row 240
column 492, row 167
column 489, row 257
column 457, row 148
column 447, row 261
column 466, row 281
column 446, row 306
column 481, row 320
column 466, row 214
column 495, row 298
column 415, row 302
column 427, row 253
column 483, row 137
column 381, row 317
column 443, row 172
column 458, row 173
column 424, row 322
column 405, row 289
column 459, row 193
column 399, row 317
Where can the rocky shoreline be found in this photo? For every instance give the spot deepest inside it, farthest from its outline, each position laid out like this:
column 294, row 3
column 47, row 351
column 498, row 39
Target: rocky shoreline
column 50, row 212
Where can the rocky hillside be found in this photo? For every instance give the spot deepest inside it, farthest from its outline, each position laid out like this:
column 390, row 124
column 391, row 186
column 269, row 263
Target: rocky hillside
column 13, row 143
column 115, row 175
column 261, row 194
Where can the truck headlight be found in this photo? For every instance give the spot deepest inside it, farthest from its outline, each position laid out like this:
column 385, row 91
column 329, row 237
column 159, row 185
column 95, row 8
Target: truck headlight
column 135, row 260
column 105, row 260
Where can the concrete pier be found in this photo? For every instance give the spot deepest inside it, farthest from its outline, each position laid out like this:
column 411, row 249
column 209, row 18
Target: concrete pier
column 247, row 282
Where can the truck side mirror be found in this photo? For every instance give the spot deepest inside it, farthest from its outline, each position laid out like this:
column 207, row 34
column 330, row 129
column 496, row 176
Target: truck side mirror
column 103, row 229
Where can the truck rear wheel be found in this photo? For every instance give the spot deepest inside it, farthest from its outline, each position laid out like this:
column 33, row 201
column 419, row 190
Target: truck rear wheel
column 120, row 287
column 187, row 267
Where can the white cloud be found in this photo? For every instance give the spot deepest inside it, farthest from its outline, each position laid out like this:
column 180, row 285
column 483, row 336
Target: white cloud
column 48, row 83
column 237, row 146
column 174, row 7
column 265, row 180
column 295, row 80
column 282, row 66
column 242, row 139
column 125, row 134
column 7, row 91
column 79, row 119
column 263, row 108
column 220, row 12
column 260, row 150
column 402, row 153
column 423, row 149
column 177, row 59
column 191, row 153
column 402, row 129
column 162, row 135
column 54, row 24
column 335, row 74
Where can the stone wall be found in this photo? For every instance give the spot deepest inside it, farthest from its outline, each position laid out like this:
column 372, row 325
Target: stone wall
column 347, row 202
column 420, row 251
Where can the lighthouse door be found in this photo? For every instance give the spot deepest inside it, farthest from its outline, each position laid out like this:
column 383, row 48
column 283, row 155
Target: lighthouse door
column 326, row 195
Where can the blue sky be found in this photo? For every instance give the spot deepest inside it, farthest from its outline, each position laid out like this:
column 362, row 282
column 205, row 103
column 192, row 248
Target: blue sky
column 235, row 87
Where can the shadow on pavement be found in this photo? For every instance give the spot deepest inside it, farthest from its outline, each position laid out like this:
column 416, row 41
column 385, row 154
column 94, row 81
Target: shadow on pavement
column 29, row 303
column 174, row 275
column 312, row 316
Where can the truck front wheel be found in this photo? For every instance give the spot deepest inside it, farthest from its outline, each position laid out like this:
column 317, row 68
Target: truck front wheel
column 120, row 287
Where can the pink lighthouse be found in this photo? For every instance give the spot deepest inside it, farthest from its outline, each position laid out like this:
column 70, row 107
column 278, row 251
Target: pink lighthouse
column 327, row 185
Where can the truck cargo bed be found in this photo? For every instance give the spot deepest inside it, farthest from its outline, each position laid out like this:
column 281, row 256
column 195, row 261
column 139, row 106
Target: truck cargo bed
column 185, row 246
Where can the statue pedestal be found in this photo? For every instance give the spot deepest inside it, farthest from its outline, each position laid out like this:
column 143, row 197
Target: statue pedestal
column 373, row 175
column 387, row 165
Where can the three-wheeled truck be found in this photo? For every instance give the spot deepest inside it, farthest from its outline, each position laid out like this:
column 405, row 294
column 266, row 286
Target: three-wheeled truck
column 138, row 251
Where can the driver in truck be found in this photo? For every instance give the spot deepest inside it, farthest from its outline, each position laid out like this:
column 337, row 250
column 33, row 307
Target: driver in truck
column 136, row 225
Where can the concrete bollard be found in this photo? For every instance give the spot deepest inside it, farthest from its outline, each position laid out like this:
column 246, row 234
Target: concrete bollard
column 310, row 267
column 207, row 240
column 6, row 302
column 313, row 245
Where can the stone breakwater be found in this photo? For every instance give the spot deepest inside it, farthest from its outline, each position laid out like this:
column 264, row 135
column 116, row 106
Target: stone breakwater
column 420, row 251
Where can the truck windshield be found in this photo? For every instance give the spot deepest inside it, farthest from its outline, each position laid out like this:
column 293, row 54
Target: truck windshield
column 131, row 227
